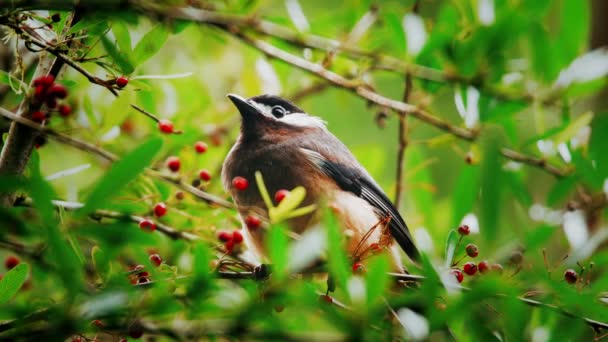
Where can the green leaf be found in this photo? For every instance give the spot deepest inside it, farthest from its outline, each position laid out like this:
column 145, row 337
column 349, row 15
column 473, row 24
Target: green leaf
column 276, row 244
column 16, row 84
column 598, row 144
column 573, row 128
column 338, row 262
column 150, row 44
column 121, row 173
column 259, row 180
column 100, row 262
column 537, row 237
column 122, row 59
column 41, row 192
column 420, row 179
column 518, row 187
column 62, row 252
column 287, row 208
column 12, row 281
column 118, row 111
column 122, row 35
column 573, row 30
column 377, row 280
column 465, row 193
column 450, row 247
column 492, row 184
column 94, row 25
column 561, row 189
column 201, row 277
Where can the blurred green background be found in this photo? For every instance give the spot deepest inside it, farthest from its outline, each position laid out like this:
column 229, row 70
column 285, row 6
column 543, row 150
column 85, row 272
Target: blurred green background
column 511, row 62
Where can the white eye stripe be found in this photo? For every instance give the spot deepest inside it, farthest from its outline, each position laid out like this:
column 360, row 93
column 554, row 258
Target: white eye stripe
column 294, row 119
column 264, row 109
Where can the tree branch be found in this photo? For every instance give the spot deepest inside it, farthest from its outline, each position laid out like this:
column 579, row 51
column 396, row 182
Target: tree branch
column 21, row 139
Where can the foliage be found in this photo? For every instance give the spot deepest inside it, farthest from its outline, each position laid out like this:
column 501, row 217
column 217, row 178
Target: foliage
column 505, row 134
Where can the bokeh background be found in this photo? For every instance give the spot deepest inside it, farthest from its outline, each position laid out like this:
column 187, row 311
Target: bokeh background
column 527, row 76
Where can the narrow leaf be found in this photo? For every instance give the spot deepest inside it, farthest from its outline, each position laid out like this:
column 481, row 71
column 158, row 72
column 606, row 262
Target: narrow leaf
column 121, row 173
column 12, row 281
column 450, row 247
column 150, row 44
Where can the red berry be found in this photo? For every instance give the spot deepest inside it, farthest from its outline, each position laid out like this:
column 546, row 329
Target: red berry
column 51, row 102
column 173, row 163
column 10, row 262
column 205, row 175
column 64, row 110
column 45, row 81
column 483, row 266
column 280, row 195
column 58, row 91
column 147, row 225
column 229, row 245
column 224, row 236
column 160, row 209
column 127, row 126
column 571, row 276
column 122, row 82
column 156, row 259
column 165, row 126
column 472, row 250
column 97, row 323
column 458, row 274
column 470, row 268
column 326, row 299
column 143, row 274
column 237, row 237
column 136, row 332
column 38, row 116
column 253, row 222
column 200, row 147
column 240, row 183
column 358, row 268
column 77, row 339
column 464, row 230
column 143, row 280
column 40, row 92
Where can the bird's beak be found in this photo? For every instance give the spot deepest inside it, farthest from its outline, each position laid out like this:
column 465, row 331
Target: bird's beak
column 247, row 110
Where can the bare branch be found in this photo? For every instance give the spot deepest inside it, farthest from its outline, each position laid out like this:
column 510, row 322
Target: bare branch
column 533, row 161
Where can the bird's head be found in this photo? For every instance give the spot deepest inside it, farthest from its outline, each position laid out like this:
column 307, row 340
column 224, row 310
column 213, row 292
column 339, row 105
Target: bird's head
column 265, row 115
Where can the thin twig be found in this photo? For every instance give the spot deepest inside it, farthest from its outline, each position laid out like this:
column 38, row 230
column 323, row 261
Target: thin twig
column 533, row 161
column 403, row 129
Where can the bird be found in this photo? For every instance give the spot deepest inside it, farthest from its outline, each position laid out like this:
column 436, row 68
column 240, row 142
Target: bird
column 293, row 148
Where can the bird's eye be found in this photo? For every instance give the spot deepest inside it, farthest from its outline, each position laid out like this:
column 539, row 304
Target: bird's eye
column 278, row 111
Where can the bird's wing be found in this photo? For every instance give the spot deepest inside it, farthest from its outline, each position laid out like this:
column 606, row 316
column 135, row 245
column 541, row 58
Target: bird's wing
column 351, row 180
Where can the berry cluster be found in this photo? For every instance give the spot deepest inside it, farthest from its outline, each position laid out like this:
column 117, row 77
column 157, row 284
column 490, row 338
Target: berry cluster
column 232, row 241
column 137, row 274
column 471, row 268
column 50, row 93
